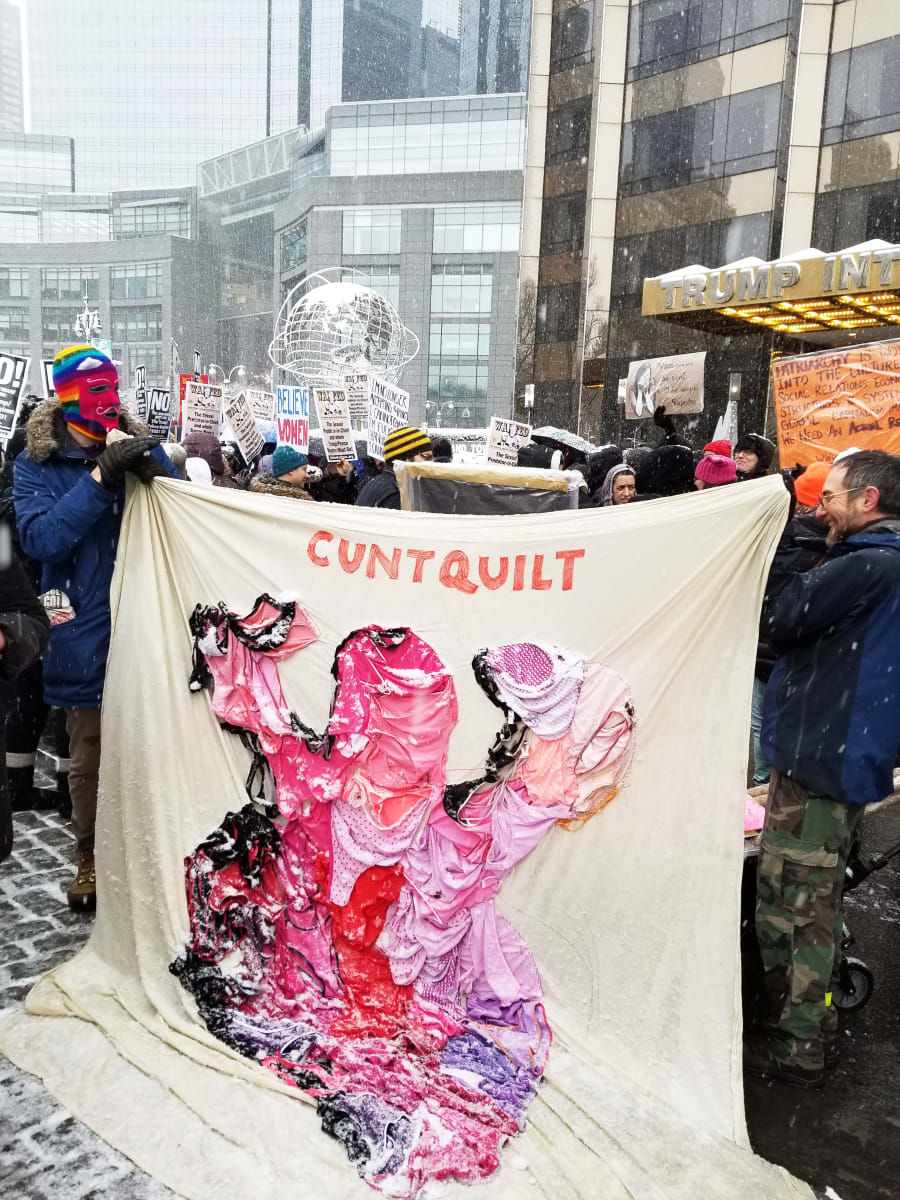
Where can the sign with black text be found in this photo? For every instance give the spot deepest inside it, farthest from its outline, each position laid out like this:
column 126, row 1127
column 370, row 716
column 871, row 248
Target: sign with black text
column 262, row 403
column 47, row 377
column 13, row 377
column 333, row 415
column 239, row 416
column 198, row 366
column 159, row 413
column 140, row 392
column 388, row 410
column 202, row 408
column 357, row 389
column 504, row 441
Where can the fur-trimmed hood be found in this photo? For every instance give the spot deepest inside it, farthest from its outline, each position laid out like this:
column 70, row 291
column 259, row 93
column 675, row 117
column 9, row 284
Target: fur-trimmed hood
column 268, row 485
column 46, row 430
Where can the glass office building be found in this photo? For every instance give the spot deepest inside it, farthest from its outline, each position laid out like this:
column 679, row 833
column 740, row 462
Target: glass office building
column 12, row 109
column 692, row 131
column 431, row 218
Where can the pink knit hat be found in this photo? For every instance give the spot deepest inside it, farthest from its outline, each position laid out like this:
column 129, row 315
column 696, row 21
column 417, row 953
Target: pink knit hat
column 715, row 469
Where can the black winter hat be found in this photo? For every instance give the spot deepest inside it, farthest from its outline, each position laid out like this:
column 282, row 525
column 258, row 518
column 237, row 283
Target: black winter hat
column 533, row 455
column 670, row 470
column 599, row 463
column 755, row 443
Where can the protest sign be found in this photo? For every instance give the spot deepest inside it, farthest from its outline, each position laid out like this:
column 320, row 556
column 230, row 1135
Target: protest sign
column 388, row 410
column 198, row 365
column 504, row 439
column 202, row 408
column 292, row 415
column 357, row 388
column 839, row 398
column 47, row 377
column 333, row 415
column 675, row 382
column 159, row 413
column 262, row 404
column 140, row 393
column 240, row 417
column 13, row 376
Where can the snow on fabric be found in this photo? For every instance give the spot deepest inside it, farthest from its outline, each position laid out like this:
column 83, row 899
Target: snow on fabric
column 375, row 973
column 617, row 907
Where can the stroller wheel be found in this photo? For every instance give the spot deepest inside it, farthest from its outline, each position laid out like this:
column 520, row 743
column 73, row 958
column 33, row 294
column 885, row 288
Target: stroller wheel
column 854, row 987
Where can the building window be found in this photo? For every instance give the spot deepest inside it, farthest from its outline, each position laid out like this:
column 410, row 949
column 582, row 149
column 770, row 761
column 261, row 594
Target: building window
column 14, row 283
column 69, row 283
column 863, row 95
column 461, row 288
column 294, row 246
column 557, row 313
column 568, row 132
column 14, row 326
column 854, row 215
column 385, row 280
column 371, row 231
column 149, row 220
column 149, row 356
column 288, row 285
column 57, row 324
column 572, row 37
column 457, row 393
column 703, row 141
column 137, row 281
column 452, row 339
column 138, row 324
column 476, row 228
column 562, row 224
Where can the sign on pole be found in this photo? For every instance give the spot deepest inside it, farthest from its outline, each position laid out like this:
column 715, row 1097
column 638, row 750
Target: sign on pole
column 262, row 403
column 675, row 382
column 198, row 365
column 825, row 403
column 13, row 377
column 333, row 415
column 240, row 417
column 47, row 377
column 292, row 415
column 159, row 413
column 202, row 408
column 388, row 410
column 140, row 392
column 357, row 388
column 504, row 440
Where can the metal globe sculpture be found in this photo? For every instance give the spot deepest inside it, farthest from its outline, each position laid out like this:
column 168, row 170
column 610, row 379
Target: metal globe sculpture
column 329, row 327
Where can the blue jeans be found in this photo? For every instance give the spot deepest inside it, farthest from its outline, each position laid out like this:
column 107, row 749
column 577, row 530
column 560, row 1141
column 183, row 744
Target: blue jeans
column 761, row 766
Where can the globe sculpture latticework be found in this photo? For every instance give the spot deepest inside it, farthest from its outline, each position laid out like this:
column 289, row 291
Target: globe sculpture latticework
column 330, row 327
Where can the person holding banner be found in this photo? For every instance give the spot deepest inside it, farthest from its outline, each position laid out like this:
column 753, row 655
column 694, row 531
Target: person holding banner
column 831, row 730
column 403, row 444
column 69, row 494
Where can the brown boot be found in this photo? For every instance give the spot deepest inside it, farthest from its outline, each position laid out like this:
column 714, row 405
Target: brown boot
column 82, row 893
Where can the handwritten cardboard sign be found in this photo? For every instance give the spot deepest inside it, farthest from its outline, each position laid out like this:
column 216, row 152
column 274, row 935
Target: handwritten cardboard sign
column 239, row 416
column 333, row 414
column 262, row 404
column 159, row 413
column 504, row 440
column 826, row 402
column 675, row 382
column 202, row 408
column 388, row 410
column 357, row 389
column 292, row 415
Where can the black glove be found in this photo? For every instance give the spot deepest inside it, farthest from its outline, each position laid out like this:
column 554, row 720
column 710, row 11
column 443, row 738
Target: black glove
column 149, row 467
column 664, row 422
column 129, row 454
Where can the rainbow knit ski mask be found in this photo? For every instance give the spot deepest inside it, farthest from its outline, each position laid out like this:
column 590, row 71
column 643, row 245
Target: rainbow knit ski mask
column 87, row 384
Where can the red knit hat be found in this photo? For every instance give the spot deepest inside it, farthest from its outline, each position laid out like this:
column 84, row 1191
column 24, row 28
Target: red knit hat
column 808, row 486
column 722, row 447
column 716, row 469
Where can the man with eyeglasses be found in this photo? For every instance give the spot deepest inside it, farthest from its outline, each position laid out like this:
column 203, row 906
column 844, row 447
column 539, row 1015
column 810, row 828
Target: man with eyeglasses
column 831, row 731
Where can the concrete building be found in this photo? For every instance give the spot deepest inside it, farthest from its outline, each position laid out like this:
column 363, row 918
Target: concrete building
column 151, row 280
column 12, row 108
column 423, row 200
column 494, row 40
column 664, row 133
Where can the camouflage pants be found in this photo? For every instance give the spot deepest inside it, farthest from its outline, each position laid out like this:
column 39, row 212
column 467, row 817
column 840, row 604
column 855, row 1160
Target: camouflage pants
column 799, row 916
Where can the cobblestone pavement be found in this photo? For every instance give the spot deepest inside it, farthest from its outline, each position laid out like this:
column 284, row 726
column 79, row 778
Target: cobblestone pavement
column 44, row 1151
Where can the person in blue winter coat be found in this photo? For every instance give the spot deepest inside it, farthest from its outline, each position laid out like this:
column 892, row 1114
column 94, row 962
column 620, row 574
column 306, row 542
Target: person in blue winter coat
column 831, row 730
column 68, row 494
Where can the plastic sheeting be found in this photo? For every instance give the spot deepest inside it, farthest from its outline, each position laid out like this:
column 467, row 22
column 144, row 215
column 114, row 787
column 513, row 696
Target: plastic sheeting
column 633, row 918
column 484, row 489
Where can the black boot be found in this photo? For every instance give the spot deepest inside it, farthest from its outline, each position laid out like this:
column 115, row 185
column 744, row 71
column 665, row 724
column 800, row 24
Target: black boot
column 22, row 792
column 63, row 799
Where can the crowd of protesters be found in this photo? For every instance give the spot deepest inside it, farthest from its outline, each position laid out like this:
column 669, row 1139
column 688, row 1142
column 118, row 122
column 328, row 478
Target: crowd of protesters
column 826, row 694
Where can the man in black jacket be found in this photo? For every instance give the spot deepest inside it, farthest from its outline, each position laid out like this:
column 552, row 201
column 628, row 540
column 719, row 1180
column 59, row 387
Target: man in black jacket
column 407, row 443
column 831, row 731
column 24, row 636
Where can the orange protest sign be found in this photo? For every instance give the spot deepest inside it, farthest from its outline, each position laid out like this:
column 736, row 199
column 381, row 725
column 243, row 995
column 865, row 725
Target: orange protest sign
column 826, row 402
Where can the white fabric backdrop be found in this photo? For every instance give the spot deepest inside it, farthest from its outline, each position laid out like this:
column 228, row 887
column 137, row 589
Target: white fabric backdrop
column 633, row 919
